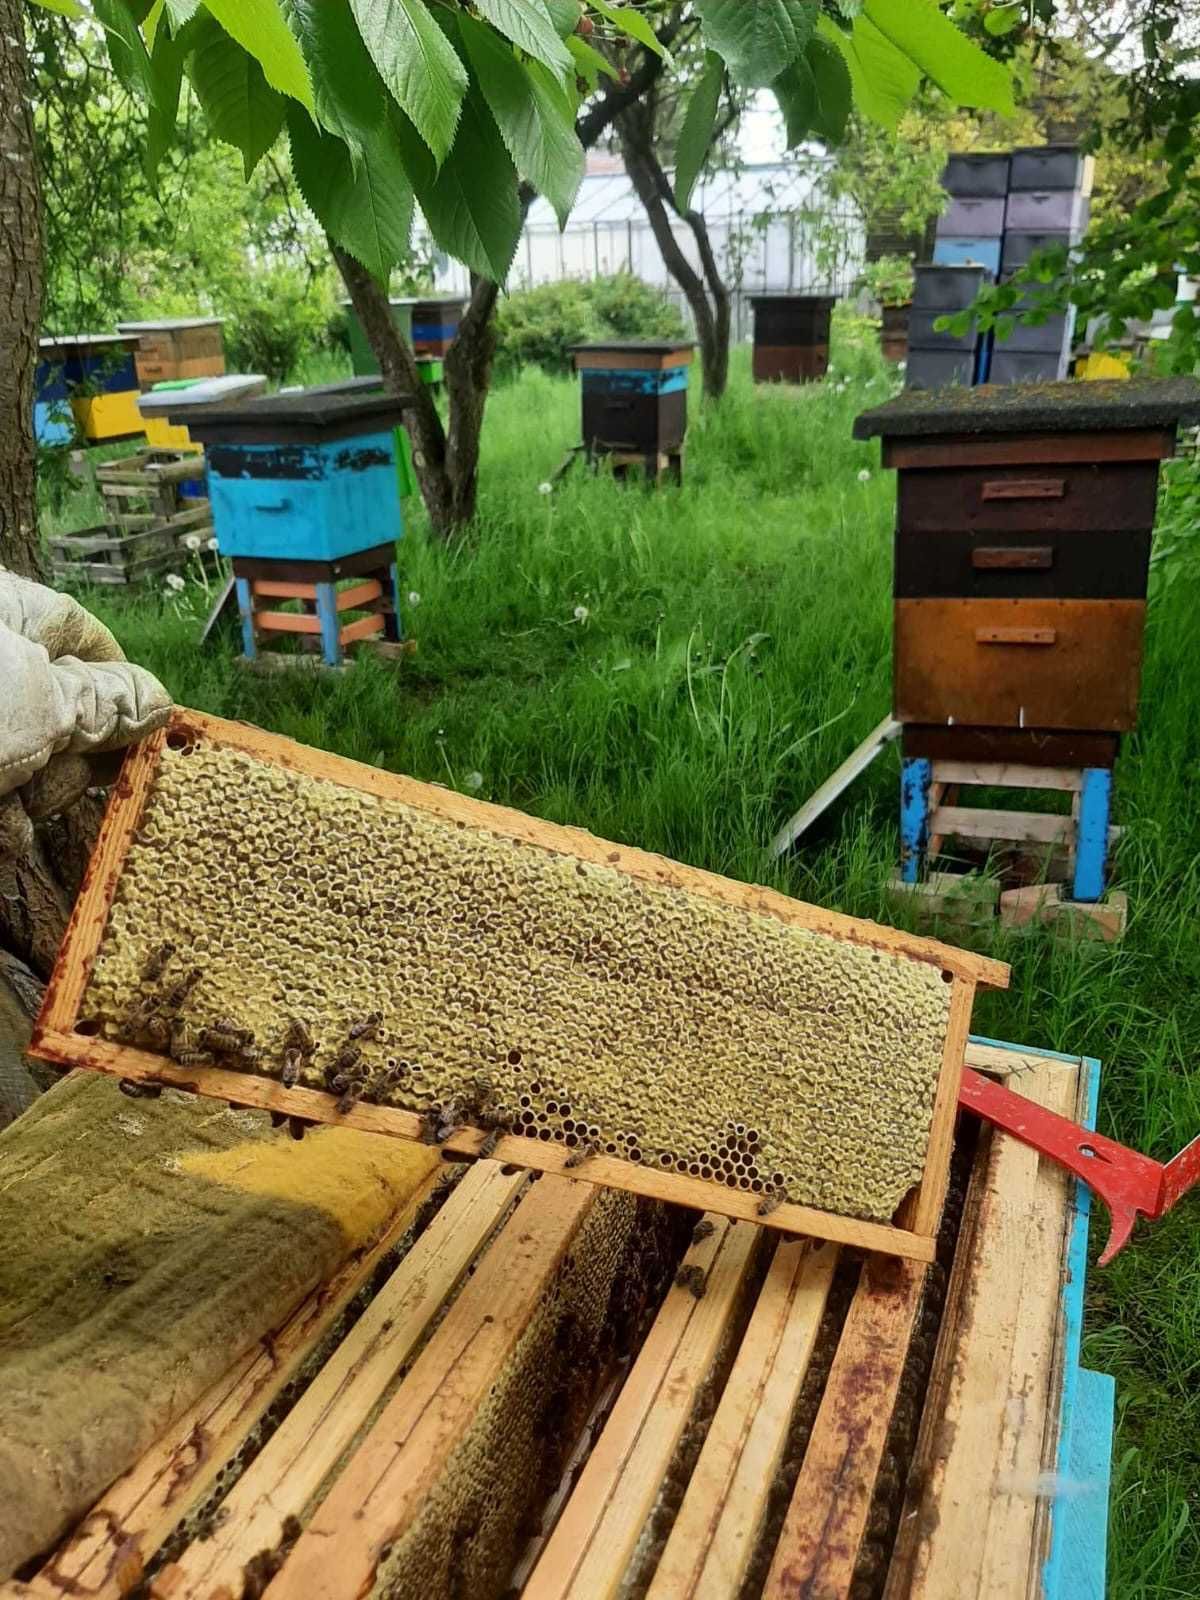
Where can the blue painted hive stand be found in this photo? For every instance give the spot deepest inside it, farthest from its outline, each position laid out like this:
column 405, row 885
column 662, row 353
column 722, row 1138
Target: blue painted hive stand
column 305, row 491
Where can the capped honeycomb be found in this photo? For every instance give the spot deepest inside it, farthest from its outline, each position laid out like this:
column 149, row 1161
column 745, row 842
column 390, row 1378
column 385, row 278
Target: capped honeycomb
column 290, row 926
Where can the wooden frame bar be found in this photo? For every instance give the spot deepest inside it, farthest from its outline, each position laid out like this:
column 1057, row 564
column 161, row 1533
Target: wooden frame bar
column 58, row 1038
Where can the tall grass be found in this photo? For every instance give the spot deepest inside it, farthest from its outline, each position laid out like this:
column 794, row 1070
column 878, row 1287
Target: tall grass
column 680, row 670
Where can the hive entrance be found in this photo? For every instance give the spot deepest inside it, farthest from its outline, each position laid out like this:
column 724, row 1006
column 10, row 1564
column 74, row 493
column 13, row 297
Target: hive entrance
column 407, row 950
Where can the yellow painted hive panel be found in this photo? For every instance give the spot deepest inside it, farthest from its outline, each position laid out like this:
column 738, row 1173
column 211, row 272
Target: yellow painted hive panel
column 366, row 946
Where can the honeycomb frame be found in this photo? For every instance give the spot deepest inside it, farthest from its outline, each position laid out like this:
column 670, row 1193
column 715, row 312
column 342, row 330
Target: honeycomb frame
column 67, row 1034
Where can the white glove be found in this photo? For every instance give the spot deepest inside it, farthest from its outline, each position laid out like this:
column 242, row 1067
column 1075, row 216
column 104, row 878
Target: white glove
column 67, row 694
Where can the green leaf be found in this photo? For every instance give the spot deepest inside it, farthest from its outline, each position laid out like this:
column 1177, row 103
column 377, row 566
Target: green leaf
column 166, row 66
column 150, row 23
column 181, row 12
column 795, row 90
column 883, row 79
column 349, row 93
column 126, row 47
column 633, row 24
column 418, row 64
column 696, row 133
column 366, row 207
column 528, row 24
column 63, row 8
column 532, row 112
column 241, row 106
column 470, row 203
column 589, row 63
column 1003, row 20
column 564, row 15
column 757, row 38
column 947, row 57
column 260, row 28
column 831, row 80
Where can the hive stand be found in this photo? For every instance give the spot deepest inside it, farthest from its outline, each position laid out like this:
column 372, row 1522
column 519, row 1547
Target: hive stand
column 1024, row 521
column 306, row 490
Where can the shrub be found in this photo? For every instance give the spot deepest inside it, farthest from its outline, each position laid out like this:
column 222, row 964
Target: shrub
column 277, row 316
column 538, row 326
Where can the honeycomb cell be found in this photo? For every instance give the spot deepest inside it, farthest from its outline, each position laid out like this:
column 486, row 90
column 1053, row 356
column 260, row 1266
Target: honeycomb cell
column 657, row 1023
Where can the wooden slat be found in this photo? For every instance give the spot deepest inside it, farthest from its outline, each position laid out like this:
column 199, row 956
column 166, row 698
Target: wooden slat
column 827, row 1516
column 589, row 1552
column 308, row 1444
column 981, row 1441
column 108, row 1551
column 836, row 784
column 929, row 1199
column 1007, row 635
column 275, row 589
column 1007, row 775
column 268, row 1094
column 359, row 594
column 286, row 622
column 390, row 1476
column 979, row 822
column 362, row 628
column 1021, row 450
column 715, row 1532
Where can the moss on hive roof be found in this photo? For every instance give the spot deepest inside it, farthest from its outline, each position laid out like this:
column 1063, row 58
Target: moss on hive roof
column 1058, row 407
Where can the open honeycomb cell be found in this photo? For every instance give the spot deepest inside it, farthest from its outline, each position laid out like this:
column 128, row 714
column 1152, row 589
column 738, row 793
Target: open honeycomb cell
column 440, row 968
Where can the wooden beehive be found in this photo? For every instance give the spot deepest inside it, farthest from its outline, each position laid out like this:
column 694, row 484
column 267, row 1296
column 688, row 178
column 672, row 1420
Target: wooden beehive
column 791, row 337
column 533, row 1393
column 805, row 1065
column 435, row 321
column 634, row 395
column 98, row 372
column 1023, row 528
column 177, row 347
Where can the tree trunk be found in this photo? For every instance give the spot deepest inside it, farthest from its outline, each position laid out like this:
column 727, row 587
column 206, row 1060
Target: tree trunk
column 707, row 295
column 20, row 300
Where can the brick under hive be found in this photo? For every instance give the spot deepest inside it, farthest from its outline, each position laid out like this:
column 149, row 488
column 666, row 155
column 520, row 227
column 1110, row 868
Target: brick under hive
column 589, row 1007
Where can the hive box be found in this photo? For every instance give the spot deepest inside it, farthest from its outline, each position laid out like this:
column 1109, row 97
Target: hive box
column 1051, row 166
column 303, row 477
column 1023, row 525
column 97, row 370
column 1046, row 211
column 791, row 337
column 434, row 322
column 51, row 403
column 977, row 175
column 634, row 394
column 362, row 357
column 177, row 347
column 973, row 215
column 166, row 409
column 976, row 250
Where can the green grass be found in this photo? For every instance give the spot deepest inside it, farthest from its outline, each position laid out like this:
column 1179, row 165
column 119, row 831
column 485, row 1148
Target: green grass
column 732, row 647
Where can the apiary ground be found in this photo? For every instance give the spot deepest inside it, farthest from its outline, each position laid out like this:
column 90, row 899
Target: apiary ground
column 569, row 1001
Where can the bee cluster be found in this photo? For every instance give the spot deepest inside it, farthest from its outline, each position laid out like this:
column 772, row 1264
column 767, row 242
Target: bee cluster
column 371, row 948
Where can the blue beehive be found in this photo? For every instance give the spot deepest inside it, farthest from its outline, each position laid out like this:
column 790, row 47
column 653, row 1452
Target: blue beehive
column 51, row 403
column 303, row 477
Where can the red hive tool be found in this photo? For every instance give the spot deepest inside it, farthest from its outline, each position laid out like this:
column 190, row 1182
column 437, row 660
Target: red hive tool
column 1129, row 1183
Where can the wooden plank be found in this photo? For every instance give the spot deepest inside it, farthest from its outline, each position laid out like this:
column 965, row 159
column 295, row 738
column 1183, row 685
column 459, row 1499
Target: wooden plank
column 386, row 1482
column 1033, row 747
column 1013, row 557
column 107, row 1554
column 827, row 1516
column 587, row 1557
column 716, row 1530
column 1008, row 775
column 268, row 1094
column 979, row 822
column 1015, row 635
column 288, row 1473
column 836, row 784
column 980, row 1448
column 362, row 628
column 1027, row 450
column 275, row 589
column 287, row 622
column 929, row 1199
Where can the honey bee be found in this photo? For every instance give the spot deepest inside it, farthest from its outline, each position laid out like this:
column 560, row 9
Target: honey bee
column 347, row 1058
column 489, row 1144
column 768, row 1203
column 194, row 1058
column 293, row 1060
column 157, row 962
column 296, row 1126
column 704, row 1229
column 450, row 1118
column 427, row 1133
column 691, row 1279
column 579, row 1155
column 179, row 993
column 350, row 1093
column 225, row 1039
column 139, row 1091
column 367, row 1028
column 299, row 1038
column 158, row 1032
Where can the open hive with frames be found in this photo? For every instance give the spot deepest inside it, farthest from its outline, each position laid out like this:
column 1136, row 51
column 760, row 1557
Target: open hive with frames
column 385, row 950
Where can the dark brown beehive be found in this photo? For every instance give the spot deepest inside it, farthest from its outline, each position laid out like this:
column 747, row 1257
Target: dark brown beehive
column 791, row 337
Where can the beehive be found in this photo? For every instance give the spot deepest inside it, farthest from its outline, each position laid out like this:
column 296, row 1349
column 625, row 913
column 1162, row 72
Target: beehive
column 468, row 967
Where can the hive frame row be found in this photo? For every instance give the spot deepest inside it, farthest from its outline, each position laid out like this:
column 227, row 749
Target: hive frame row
column 62, row 1034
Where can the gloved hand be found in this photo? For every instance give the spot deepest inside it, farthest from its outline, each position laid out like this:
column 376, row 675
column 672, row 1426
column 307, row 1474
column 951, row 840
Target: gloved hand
column 67, row 696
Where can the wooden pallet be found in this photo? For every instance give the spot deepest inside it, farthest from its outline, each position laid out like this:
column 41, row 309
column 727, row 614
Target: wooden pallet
column 68, row 1037
column 810, row 1424
column 134, row 547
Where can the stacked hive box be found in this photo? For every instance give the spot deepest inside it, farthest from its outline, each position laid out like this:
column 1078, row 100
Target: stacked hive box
column 177, row 347
column 791, row 337
column 634, row 397
column 1023, row 529
column 305, row 492
column 970, row 230
column 429, row 365
column 936, row 358
column 96, row 370
column 435, row 323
